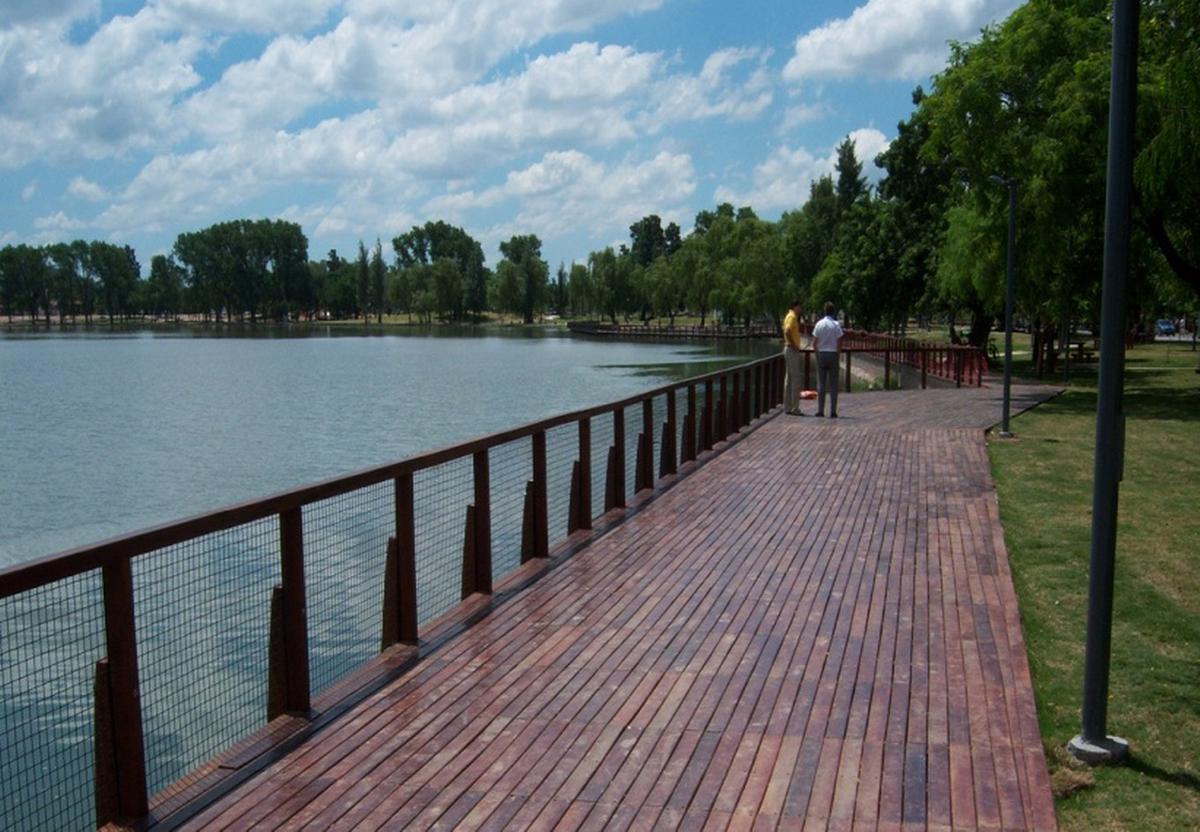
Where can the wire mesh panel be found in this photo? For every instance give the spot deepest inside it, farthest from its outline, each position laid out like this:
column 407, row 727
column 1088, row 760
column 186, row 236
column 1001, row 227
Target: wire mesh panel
column 602, row 440
column 203, row 625
column 441, row 497
column 562, row 451
column 52, row 638
column 345, row 555
column 511, row 467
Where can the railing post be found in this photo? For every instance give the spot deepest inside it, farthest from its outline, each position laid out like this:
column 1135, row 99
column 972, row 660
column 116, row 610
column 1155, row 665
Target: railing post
column 585, row 474
column 848, row 353
column 689, row 433
column 667, row 465
column 887, row 369
column 483, row 523
column 958, row 368
column 288, row 679
column 541, row 520
column 400, row 573
column 924, row 368
column 399, row 597
column 808, row 369
column 120, row 753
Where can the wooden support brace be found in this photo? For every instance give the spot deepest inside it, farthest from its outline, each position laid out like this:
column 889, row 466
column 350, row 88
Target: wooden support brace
column 276, row 661
column 611, row 473
column 670, row 462
column 107, row 799
column 573, row 503
column 528, row 545
column 399, row 597
column 469, row 565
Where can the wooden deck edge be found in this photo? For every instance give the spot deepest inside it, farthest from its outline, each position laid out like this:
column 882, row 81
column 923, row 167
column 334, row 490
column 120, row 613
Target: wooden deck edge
column 215, row 778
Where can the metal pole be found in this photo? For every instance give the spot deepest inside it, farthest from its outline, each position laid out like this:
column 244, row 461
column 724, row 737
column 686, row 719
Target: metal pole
column 1010, row 273
column 1094, row 744
column 1008, row 303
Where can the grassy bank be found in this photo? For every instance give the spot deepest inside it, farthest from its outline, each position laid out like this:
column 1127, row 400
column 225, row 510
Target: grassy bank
column 1044, row 479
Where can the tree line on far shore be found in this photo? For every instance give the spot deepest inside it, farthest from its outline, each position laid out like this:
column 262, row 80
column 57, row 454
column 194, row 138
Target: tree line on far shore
column 1027, row 103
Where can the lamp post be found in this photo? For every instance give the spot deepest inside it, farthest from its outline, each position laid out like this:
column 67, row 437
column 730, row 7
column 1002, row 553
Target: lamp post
column 1094, row 744
column 1011, row 185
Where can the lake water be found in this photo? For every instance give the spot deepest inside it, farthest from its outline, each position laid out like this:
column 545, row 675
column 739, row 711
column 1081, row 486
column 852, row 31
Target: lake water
column 108, row 433
column 104, row 434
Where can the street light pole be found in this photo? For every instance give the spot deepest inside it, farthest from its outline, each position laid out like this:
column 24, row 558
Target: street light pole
column 1094, row 744
column 1011, row 185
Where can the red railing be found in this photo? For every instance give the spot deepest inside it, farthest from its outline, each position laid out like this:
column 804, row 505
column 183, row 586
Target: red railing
column 949, row 362
column 127, row 610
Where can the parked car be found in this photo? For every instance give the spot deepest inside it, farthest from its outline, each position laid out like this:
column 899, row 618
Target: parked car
column 1165, row 327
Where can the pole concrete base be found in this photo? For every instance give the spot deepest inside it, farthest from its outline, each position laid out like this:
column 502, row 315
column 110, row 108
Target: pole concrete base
column 1005, row 434
column 1108, row 750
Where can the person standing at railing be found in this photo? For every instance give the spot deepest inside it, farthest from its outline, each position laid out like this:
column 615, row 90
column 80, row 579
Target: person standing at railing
column 792, row 360
column 827, row 339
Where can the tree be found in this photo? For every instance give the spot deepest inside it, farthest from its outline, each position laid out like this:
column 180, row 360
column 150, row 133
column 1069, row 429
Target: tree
column 118, row 274
column 378, row 274
column 440, row 240
column 915, row 190
column 647, row 240
column 524, row 253
column 1166, row 168
column 25, row 281
column 581, row 291
column 165, row 285
column 809, row 236
column 363, row 274
column 851, row 185
column 64, row 279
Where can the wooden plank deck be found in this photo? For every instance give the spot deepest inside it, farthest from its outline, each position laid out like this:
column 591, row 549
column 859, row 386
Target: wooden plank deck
column 817, row 629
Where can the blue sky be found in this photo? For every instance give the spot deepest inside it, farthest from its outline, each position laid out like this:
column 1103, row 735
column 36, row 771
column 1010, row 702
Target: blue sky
column 570, row 119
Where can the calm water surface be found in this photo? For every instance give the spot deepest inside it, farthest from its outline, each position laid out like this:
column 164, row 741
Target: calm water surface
column 104, row 434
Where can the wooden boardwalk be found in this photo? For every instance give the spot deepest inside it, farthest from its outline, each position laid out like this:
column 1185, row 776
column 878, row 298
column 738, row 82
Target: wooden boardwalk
column 816, row 630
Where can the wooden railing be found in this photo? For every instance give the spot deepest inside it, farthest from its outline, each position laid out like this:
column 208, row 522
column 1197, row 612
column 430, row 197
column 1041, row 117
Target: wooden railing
column 682, row 421
column 949, row 362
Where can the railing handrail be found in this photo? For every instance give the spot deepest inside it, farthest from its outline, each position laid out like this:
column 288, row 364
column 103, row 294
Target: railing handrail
column 22, row 577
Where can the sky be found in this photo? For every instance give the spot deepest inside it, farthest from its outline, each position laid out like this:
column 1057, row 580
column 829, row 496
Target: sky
column 133, row 122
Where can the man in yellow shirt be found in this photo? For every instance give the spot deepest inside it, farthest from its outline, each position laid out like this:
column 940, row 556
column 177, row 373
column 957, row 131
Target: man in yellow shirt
column 792, row 360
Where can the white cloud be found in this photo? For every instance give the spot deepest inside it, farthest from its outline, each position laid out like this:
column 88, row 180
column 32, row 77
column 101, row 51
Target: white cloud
column 58, row 222
column 260, row 16
column 81, row 188
column 793, row 117
column 27, row 12
column 569, row 191
column 29, row 191
column 783, row 181
column 902, row 39
column 100, row 99
column 712, row 93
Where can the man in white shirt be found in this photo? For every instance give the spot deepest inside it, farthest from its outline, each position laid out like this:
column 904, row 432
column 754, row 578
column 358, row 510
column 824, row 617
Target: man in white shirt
column 827, row 339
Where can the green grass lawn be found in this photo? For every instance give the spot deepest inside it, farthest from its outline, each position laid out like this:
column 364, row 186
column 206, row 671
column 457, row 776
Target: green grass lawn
column 1044, row 480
